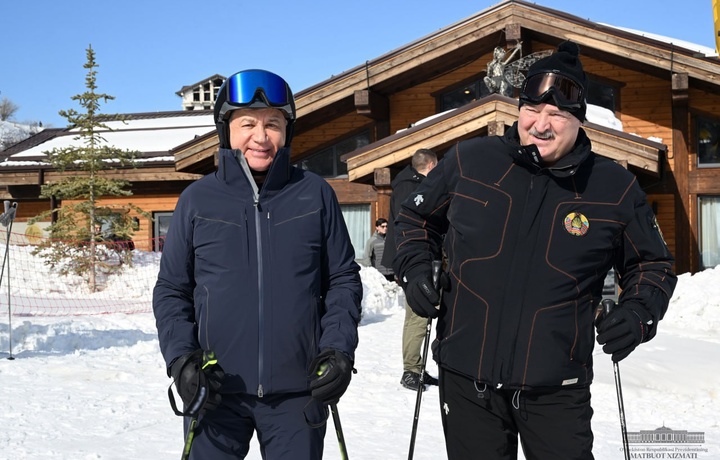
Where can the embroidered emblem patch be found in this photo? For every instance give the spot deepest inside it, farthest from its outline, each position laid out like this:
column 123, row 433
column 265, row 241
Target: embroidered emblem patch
column 576, row 224
column 418, row 199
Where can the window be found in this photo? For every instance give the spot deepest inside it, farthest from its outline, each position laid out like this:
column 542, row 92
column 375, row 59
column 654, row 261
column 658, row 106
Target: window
column 707, row 135
column 709, row 231
column 216, row 87
column 357, row 218
column 160, row 228
column 602, row 94
column 326, row 163
column 109, row 222
column 463, row 95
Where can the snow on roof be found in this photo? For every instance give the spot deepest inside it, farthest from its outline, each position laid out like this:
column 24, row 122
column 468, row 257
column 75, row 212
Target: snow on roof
column 143, row 135
column 708, row 52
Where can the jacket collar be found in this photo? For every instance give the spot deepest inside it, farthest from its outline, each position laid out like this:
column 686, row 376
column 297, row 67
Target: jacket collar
column 234, row 171
column 528, row 155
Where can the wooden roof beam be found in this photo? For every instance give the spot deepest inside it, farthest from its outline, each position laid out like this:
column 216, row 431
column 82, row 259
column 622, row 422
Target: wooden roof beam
column 371, row 104
column 491, row 114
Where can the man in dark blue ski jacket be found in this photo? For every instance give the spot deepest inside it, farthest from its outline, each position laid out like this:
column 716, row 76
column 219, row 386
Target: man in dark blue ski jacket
column 257, row 301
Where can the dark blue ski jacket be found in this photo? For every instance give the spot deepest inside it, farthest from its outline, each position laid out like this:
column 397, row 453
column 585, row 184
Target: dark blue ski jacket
column 264, row 279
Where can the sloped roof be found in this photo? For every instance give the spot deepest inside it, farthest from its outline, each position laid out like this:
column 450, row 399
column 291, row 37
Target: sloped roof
column 463, row 36
column 153, row 135
column 472, row 119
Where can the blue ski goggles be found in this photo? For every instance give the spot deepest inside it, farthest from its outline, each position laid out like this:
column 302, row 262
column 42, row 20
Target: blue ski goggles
column 257, row 88
column 539, row 88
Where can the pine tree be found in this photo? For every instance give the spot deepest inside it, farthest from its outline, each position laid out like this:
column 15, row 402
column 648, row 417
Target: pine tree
column 76, row 243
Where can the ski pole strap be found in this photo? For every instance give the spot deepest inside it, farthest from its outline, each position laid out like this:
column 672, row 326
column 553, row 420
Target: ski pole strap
column 202, row 392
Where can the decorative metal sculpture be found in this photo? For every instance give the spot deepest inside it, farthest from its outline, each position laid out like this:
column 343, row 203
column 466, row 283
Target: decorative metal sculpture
column 502, row 75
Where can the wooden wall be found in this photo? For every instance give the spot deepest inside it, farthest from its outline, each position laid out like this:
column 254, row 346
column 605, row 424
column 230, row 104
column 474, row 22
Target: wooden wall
column 28, row 209
column 148, row 203
column 418, row 102
column 327, row 134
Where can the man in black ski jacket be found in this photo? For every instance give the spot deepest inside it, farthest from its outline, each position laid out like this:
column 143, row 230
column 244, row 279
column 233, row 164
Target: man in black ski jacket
column 257, row 301
column 414, row 326
column 533, row 220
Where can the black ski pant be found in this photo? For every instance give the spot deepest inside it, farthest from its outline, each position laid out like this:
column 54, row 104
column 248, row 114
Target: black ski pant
column 481, row 422
column 288, row 427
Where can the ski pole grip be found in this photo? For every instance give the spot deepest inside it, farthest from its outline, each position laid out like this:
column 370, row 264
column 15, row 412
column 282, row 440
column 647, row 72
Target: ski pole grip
column 608, row 305
column 436, row 266
column 209, row 359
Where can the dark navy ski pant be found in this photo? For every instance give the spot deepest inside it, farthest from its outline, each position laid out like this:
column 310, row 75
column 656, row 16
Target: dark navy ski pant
column 288, row 427
column 481, row 422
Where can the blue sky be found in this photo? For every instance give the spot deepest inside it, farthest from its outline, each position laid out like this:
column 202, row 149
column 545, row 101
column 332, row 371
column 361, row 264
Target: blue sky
column 148, row 50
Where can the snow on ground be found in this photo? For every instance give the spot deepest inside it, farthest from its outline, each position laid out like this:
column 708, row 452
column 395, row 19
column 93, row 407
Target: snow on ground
column 94, row 387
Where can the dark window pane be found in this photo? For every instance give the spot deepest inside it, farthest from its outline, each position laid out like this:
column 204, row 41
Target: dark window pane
column 327, row 163
column 321, row 163
column 459, row 97
column 708, row 134
column 601, row 94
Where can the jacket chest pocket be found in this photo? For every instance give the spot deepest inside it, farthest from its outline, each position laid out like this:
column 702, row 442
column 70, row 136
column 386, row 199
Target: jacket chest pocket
column 478, row 216
column 296, row 235
column 220, row 243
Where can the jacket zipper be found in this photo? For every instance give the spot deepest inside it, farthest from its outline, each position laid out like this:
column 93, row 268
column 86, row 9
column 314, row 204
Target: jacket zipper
column 505, row 372
column 261, row 298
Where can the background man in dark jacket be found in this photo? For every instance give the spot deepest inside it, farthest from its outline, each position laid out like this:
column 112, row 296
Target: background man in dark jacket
column 414, row 327
column 257, row 301
column 533, row 221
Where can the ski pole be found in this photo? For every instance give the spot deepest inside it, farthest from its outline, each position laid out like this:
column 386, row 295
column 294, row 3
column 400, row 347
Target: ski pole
column 436, row 265
column 6, row 219
column 339, row 432
column 608, row 305
column 189, row 436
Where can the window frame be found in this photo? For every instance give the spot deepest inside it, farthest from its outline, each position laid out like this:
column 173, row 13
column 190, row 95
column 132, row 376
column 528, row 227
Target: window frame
column 701, row 234
column 331, row 150
column 158, row 235
column 699, row 120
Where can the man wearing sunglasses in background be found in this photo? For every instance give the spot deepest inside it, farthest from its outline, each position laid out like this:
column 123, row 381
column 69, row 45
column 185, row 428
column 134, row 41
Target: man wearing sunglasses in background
column 374, row 249
column 533, row 220
column 258, row 297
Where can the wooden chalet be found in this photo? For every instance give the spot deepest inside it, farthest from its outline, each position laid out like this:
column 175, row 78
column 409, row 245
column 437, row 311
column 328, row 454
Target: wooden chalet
column 156, row 184
column 359, row 128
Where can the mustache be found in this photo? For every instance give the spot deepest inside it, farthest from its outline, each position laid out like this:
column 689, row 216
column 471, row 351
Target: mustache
column 541, row 135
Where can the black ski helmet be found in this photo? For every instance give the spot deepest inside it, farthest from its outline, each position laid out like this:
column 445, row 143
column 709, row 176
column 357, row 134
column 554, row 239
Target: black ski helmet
column 253, row 88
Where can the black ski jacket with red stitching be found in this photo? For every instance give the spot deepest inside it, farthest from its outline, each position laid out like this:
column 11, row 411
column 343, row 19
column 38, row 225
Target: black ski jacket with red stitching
column 528, row 248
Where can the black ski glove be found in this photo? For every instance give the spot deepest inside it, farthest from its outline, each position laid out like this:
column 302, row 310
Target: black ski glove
column 421, row 296
column 198, row 378
column 622, row 330
column 330, row 374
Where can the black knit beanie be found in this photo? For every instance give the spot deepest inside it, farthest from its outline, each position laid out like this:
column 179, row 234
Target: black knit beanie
column 565, row 61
